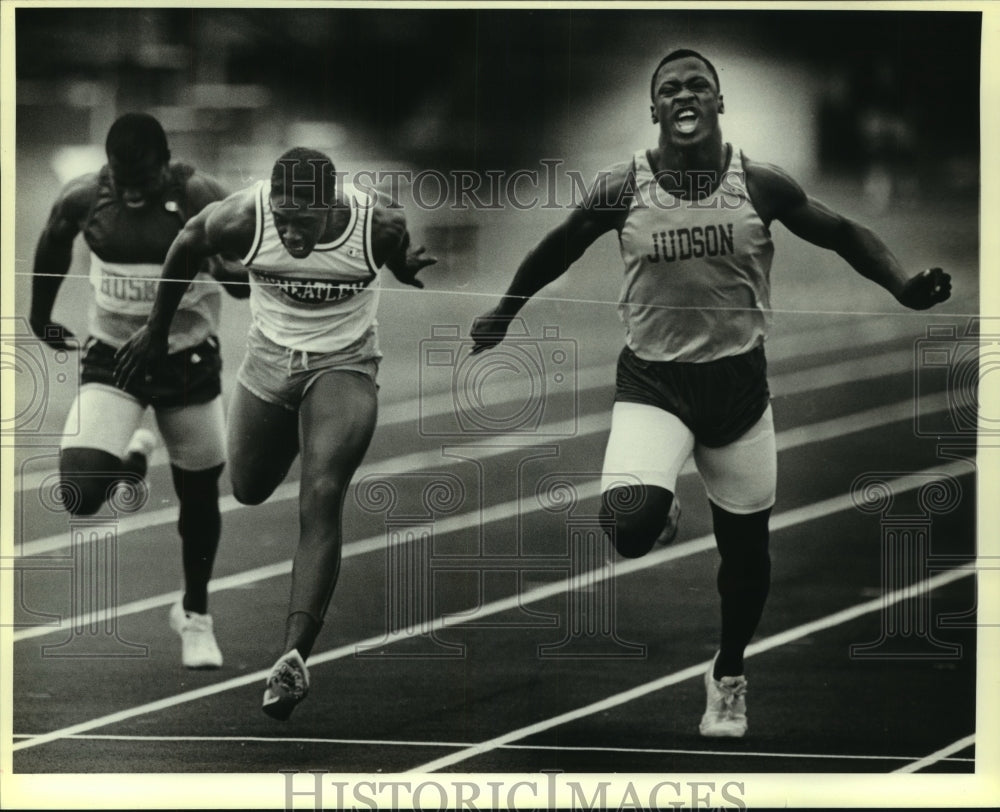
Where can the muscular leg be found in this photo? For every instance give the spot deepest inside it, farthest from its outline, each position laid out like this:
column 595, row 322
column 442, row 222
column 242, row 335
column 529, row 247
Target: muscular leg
column 92, row 460
column 195, row 437
column 744, row 580
column 337, row 420
column 646, row 450
column 740, row 479
column 199, row 524
column 89, row 476
column 263, row 441
column 633, row 517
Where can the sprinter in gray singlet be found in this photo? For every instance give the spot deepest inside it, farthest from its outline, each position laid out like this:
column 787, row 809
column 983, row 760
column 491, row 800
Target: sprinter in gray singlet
column 693, row 216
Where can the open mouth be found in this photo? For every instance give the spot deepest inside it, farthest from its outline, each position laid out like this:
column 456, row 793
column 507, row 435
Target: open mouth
column 135, row 203
column 686, row 120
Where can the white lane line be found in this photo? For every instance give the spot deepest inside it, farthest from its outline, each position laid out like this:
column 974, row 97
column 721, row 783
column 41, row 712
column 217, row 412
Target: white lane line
column 781, row 347
column 690, row 672
column 726, row 753
column 940, row 755
column 517, row 601
column 571, row 429
column 594, row 377
column 562, row 748
column 803, row 435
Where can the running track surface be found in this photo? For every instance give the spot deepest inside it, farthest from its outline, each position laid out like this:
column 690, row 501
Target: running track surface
column 477, row 628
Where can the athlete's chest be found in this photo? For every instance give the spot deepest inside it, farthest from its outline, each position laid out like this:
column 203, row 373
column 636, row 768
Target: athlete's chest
column 345, row 257
column 660, row 229
column 116, row 233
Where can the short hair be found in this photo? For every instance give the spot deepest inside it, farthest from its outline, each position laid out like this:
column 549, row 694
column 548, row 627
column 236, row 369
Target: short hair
column 134, row 136
column 681, row 53
column 302, row 168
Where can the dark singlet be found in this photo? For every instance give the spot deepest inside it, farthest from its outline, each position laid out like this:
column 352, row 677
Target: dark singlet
column 128, row 247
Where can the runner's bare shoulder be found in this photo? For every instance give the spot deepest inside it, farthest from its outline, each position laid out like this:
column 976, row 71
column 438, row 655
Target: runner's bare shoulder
column 76, row 199
column 230, row 224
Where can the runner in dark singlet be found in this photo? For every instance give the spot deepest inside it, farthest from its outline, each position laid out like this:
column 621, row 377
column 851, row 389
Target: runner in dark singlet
column 129, row 213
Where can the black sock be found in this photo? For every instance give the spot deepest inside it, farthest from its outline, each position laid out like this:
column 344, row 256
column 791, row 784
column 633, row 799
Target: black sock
column 743, row 581
column 200, row 524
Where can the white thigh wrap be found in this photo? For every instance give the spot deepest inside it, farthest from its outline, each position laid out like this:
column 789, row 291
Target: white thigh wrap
column 650, row 446
column 107, row 418
column 647, row 446
column 195, row 436
column 741, row 477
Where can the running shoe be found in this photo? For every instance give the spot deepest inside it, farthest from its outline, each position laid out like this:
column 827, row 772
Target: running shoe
column 198, row 646
column 725, row 706
column 143, row 442
column 287, row 685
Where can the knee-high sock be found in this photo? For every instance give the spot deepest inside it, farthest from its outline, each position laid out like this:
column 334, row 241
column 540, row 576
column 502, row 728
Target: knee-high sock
column 744, row 580
column 200, row 525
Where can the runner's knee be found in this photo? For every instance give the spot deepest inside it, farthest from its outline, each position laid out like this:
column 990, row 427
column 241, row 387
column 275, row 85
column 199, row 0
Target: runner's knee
column 197, row 486
column 743, row 540
column 322, row 495
column 87, row 476
column 633, row 517
column 249, row 493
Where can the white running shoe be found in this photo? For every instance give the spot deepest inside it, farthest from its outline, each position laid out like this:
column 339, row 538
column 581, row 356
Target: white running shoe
column 198, row 646
column 669, row 532
column 143, row 442
column 725, row 706
column 287, row 685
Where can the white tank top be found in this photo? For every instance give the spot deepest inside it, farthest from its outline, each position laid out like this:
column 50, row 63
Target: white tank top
column 320, row 303
column 697, row 273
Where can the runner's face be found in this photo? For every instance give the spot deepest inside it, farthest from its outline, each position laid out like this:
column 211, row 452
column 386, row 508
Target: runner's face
column 140, row 183
column 686, row 102
column 300, row 225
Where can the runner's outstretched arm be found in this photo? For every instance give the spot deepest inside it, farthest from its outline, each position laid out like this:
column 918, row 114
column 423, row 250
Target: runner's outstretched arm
column 553, row 256
column 781, row 198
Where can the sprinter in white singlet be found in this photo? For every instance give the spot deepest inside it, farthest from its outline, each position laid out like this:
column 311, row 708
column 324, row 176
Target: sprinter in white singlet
column 693, row 216
column 313, row 250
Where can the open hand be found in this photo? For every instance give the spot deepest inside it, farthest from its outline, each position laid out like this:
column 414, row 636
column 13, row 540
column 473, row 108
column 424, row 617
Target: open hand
column 488, row 330
column 138, row 355
column 926, row 289
column 414, row 263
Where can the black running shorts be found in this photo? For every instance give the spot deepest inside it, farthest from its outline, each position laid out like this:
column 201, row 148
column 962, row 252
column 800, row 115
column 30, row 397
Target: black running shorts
column 186, row 378
column 718, row 400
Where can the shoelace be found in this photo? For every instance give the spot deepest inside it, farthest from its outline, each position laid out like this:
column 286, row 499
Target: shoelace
column 290, row 679
column 730, row 693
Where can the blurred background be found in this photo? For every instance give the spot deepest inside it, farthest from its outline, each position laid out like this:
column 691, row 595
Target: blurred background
column 877, row 113
column 830, row 91
column 479, row 89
